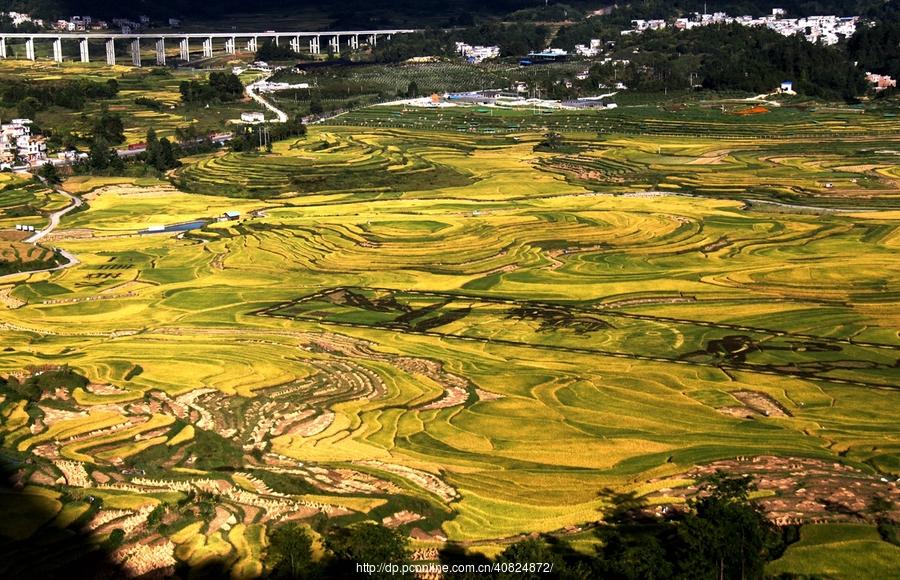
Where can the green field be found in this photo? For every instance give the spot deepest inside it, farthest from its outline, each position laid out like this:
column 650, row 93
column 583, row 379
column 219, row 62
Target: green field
column 840, row 551
column 446, row 322
column 161, row 85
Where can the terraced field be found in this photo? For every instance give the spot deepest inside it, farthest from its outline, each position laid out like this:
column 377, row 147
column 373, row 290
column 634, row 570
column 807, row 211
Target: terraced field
column 715, row 119
column 161, row 85
column 360, row 164
column 465, row 338
column 24, row 202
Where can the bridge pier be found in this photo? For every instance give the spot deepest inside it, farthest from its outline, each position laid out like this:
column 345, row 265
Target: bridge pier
column 57, row 50
column 161, row 52
column 354, row 42
column 29, row 49
column 230, row 46
column 314, row 47
column 295, row 44
column 84, row 50
column 136, row 52
column 373, row 40
column 335, row 43
column 207, row 48
column 2, row 47
column 111, row 52
column 251, row 44
column 184, row 47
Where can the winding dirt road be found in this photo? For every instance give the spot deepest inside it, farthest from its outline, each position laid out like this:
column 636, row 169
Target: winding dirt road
column 253, row 94
column 55, row 218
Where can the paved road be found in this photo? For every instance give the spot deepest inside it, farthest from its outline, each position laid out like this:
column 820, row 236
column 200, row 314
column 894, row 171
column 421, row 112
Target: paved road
column 55, row 217
column 251, row 92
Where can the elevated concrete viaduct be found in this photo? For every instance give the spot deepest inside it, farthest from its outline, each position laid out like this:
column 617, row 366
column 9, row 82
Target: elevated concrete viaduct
column 352, row 39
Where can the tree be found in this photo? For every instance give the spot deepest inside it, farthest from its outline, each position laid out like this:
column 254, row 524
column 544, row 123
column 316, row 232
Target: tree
column 315, row 107
column 881, row 507
column 268, row 50
column 630, row 555
column 159, row 153
column 49, row 173
column 412, row 90
column 290, row 552
column 724, row 536
column 28, row 107
column 531, row 551
column 166, row 158
column 244, row 139
column 220, row 86
column 366, row 542
column 108, row 127
column 622, row 507
column 102, row 157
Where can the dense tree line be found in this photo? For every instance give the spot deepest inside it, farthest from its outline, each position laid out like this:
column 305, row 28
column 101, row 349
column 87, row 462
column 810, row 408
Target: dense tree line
column 252, row 138
column 160, row 153
column 152, row 104
column 756, row 59
column 268, row 50
column 348, row 11
column 405, row 46
column 102, row 159
column 388, row 11
column 31, row 97
column 734, row 57
column 108, row 126
column 515, row 39
column 722, row 535
column 877, row 48
column 219, row 87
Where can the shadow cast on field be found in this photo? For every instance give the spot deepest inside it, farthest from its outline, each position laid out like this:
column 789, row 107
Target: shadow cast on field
column 33, row 545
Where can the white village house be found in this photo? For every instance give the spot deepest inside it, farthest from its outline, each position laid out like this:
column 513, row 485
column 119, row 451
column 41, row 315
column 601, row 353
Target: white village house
column 18, row 145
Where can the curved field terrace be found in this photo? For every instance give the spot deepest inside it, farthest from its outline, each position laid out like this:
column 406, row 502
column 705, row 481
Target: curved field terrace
column 458, row 333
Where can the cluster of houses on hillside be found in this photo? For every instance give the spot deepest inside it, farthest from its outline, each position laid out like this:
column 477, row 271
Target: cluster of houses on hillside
column 826, row 29
column 19, row 146
column 591, row 49
column 881, row 82
column 87, row 23
column 20, row 18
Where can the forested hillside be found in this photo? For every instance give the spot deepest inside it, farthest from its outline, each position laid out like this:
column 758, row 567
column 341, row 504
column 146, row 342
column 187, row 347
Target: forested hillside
column 459, row 12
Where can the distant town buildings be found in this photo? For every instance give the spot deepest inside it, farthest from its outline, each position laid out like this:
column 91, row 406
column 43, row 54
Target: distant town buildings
column 18, row 145
column 79, row 24
column 128, row 26
column 825, row 29
column 477, row 54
